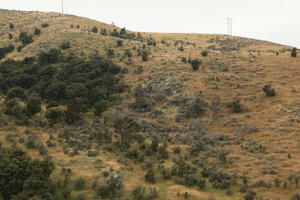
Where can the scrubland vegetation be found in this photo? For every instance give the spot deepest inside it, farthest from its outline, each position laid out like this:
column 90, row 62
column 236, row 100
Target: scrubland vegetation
column 92, row 111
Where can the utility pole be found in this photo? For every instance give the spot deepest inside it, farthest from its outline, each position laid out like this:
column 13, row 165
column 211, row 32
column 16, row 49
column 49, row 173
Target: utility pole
column 62, row 6
column 229, row 26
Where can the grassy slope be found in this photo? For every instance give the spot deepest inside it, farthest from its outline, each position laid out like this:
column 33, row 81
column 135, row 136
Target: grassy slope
column 246, row 76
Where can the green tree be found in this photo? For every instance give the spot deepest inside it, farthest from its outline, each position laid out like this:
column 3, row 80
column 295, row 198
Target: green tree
column 294, row 52
column 33, row 105
column 195, row 64
column 95, row 29
column 55, row 115
column 150, row 176
column 20, row 176
column 126, row 127
column 16, row 92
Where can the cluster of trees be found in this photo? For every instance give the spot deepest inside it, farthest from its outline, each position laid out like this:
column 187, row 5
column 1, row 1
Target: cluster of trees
column 22, row 177
column 6, row 50
column 58, row 80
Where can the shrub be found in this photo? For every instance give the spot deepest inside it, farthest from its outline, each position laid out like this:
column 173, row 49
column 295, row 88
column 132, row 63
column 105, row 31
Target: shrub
column 13, row 108
column 6, row 50
column 150, row 176
column 204, row 53
column 65, row 45
column 181, row 48
column 10, row 36
column 269, row 91
column 145, row 55
column 51, row 57
column 16, row 92
column 235, row 106
column 37, row 31
column 25, row 38
column 251, row 195
column 119, row 43
column 95, row 29
column 110, row 53
column 22, row 176
column 144, row 193
column 79, row 183
column 100, row 107
column 55, row 115
column 195, row 64
column 11, row 26
column 126, row 126
column 294, row 52
column 184, row 60
column 295, row 197
column 177, row 150
column 163, row 152
column 33, row 105
column 45, row 25
column 104, row 32
column 113, row 185
column 128, row 53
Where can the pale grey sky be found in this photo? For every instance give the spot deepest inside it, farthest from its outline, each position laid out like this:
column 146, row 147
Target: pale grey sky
column 272, row 20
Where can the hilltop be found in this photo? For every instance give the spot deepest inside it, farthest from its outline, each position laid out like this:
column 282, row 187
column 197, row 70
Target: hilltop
column 205, row 133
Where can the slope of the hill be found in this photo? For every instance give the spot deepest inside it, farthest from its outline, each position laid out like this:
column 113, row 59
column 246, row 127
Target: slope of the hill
column 216, row 120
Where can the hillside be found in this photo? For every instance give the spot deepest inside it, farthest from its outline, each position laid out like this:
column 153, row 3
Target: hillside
column 209, row 133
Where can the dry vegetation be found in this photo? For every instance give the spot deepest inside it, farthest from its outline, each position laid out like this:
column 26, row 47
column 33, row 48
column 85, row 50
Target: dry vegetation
column 259, row 141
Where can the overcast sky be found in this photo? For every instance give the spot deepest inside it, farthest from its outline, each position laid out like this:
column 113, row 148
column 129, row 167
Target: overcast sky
column 272, row 20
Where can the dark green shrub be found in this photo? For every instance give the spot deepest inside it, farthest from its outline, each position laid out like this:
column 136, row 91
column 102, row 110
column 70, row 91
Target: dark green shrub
column 119, row 43
column 10, row 36
column 45, row 25
column 269, row 91
column 184, row 60
column 65, row 45
column 79, row 183
column 42, row 150
column 294, row 52
column 25, row 38
column 51, row 57
column 181, row 48
column 144, row 193
column 177, row 150
column 145, row 55
column 204, row 53
column 165, row 173
column 110, row 53
column 195, row 64
column 6, row 50
column 100, row 107
column 104, row 32
column 37, row 31
column 22, row 176
column 251, row 195
column 95, row 29
column 33, row 105
column 12, row 107
column 163, row 152
column 126, row 126
column 150, row 176
column 11, row 26
column 55, row 115
column 154, row 145
column 16, row 92
column 235, row 106
column 128, row 53
column 79, row 197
